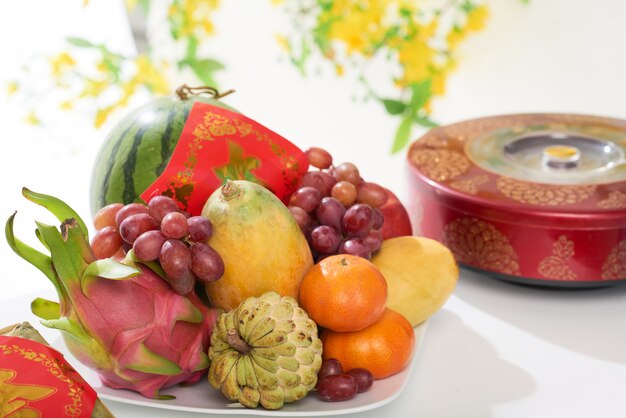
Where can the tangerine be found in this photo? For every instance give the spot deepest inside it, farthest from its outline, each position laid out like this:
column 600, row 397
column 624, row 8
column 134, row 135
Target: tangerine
column 384, row 348
column 344, row 293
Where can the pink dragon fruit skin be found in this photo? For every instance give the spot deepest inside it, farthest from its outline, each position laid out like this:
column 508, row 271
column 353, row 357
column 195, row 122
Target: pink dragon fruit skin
column 124, row 321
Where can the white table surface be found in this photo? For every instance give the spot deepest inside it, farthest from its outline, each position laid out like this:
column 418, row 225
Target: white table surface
column 494, row 350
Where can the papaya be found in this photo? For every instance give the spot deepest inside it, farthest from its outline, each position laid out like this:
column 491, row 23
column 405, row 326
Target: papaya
column 260, row 242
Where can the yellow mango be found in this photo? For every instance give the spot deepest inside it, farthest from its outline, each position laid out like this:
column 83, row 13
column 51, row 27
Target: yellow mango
column 260, row 242
column 421, row 274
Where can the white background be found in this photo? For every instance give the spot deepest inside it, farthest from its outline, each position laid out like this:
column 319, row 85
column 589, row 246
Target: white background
column 494, row 349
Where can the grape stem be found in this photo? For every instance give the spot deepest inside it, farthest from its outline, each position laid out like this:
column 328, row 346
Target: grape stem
column 235, row 341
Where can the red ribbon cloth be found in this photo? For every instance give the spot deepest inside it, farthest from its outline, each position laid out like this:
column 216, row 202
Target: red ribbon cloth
column 217, row 144
column 36, row 381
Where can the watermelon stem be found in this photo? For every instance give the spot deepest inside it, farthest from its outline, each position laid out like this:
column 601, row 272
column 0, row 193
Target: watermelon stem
column 184, row 91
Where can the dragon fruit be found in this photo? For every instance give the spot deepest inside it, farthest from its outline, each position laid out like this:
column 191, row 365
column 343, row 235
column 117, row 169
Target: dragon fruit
column 117, row 317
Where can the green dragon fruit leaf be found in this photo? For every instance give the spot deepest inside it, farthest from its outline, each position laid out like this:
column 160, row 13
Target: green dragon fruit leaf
column 68, row 263
column 110, row 269
column 58, row 208
column 34, row 257
column 107, row 269
column 150, row 362
column 71, row 327
column 45, row 309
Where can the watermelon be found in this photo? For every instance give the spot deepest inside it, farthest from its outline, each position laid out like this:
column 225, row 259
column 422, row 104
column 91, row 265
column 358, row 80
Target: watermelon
column 138, row 149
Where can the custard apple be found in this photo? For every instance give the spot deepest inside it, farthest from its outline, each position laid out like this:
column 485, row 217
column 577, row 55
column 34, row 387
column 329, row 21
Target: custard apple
column 265, row 351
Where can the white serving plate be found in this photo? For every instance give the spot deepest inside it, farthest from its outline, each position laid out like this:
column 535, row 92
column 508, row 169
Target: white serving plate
column 202, row 398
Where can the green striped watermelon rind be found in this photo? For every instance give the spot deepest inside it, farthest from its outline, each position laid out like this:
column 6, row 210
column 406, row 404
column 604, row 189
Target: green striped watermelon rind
column 138, row 148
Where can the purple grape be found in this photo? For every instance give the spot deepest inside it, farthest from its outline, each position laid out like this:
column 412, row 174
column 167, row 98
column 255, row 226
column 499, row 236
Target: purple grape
column 371, row 194
column 175, row 258
column 313, row 179
column 302, row 218
column 184, row 284
column 330, row 212
column 329, row 367
column 306, row 197
column 357, row 221
column 129, row 210
column 159, row 206
column 329, row 182
column 363, row 377
column 355, row 246
column 200, row 228
column 378, row 219
column 325, row 239
column 135, row 225
column 373, row 240
column 206, row 263
column 147, row 246
column 174, row 225
column 106, row 242
column 337, row 387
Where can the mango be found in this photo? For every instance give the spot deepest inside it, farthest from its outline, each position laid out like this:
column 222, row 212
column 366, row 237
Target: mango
column 421, row 274
column 260, row 242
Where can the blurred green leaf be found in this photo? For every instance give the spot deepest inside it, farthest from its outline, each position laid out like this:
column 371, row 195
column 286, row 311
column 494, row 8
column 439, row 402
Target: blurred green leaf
column 393, row 107
column 80, row 42
column 204, row 70
column 420, row 93
column 403, row 133
column 425, row 122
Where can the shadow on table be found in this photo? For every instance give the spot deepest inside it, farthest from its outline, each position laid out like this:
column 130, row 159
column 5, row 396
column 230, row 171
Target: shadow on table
column 459, row 372
column 588, row 321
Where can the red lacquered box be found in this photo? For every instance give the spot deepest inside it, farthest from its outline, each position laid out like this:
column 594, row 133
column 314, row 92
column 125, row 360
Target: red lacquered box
column 532, row 198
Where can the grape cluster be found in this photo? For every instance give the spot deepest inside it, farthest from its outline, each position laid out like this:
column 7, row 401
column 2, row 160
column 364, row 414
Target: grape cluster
column 159, row 232
column 336, row 209
column 333, row 384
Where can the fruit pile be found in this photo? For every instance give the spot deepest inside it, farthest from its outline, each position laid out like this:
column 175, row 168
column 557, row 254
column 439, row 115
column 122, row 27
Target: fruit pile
column 159, row 231
column 320, row 293
column 337, row 210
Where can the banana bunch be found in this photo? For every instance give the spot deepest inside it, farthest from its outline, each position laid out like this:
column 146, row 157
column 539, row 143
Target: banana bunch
column 265, row 351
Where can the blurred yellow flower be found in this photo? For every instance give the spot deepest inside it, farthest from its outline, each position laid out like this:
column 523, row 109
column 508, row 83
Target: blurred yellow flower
column 102, row 115
column 94, row 88
column 61, row 63
column 32, row 119
column 477, row 17
column 148, row 75
column 12, row 87
column 66, row 105
column 283, row 42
